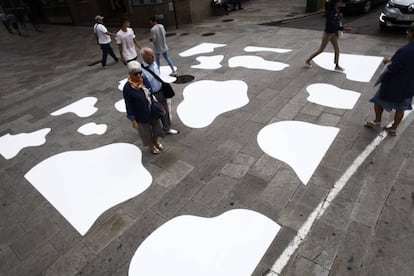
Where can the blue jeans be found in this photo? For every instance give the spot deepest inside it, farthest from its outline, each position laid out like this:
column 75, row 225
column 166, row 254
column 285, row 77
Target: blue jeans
column 167, row 58
column 107, row 49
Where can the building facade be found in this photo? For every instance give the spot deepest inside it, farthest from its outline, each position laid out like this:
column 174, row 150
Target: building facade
column 82, row 12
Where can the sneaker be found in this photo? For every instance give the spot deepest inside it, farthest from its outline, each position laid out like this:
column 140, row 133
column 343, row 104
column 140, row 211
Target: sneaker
column 160, row 146
column 171, row 131
column 104, row 67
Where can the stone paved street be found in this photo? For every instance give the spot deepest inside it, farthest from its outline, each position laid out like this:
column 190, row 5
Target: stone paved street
column 367, row 229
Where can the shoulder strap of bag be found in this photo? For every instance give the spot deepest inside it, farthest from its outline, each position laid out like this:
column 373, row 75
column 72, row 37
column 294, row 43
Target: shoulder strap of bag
column 152, row 73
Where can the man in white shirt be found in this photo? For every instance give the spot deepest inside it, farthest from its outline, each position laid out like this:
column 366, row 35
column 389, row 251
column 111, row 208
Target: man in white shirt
column 103, row 38
column 160, row 44
column 125, row 38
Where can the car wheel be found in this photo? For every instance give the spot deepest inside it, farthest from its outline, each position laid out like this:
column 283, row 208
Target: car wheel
column 367, row 6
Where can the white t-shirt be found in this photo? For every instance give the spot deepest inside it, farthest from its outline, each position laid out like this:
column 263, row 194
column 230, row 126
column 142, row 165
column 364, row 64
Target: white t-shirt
column 127, row 40
column 101, row 31
column 160, row 44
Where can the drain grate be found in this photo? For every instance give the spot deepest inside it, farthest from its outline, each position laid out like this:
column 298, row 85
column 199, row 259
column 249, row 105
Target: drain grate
column 184, row 79
column 183, row 34
column 227, row 20
column 208, row 34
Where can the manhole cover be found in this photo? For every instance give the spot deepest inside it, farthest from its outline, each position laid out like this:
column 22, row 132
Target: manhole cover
column 227, row 20
column 184, row 78
column 208, row 34
column 183, row 34
column 170, row 34
column 94, row 63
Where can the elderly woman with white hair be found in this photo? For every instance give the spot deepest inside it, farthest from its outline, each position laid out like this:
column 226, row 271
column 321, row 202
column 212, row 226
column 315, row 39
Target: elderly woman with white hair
column 141, row 110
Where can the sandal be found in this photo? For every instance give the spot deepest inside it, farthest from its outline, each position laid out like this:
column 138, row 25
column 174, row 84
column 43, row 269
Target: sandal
column 160, row 146
column 155, row 150
column 391, row 132
column 372, row 124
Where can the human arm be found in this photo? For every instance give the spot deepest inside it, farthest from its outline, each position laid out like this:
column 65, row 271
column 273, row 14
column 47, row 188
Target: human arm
column 111, row 34
column 136, row 42
column 121, row 55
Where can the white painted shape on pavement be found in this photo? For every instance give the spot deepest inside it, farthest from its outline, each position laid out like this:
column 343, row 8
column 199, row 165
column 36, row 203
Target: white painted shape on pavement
column 165, row 72
column 301, row 145
column 230, row 244
column 84, row 107
column 207, row 99
column 120, row 106
column 201, row 48
column 332, row 96
column 122, row 84
column 255, row 62
column 92, row 128
column 357, row 67
column 209, row 63
column 82, row 185
column 304, row 230
column 11, row 145
column 266, row 49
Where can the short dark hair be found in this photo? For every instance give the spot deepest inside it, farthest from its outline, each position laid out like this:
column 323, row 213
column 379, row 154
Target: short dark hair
column 153, row 18
column 123, row 20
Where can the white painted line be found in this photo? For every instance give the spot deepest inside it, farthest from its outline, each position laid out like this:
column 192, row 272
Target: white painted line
column 304, row 230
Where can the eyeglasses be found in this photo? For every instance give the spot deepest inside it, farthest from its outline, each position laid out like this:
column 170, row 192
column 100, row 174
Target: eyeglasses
column 137, row 73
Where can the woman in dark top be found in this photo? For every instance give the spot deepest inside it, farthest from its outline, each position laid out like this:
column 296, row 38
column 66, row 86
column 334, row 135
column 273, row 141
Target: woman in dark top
column 140, row 110
column 332, row 27
column 397, row 85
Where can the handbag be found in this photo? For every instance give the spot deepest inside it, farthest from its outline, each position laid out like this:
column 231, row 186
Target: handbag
column 165, row 87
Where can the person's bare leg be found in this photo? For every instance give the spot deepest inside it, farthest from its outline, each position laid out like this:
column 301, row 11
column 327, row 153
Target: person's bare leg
column 325, row 41
column 399, row 115
column 335, row 44
column 378, row 113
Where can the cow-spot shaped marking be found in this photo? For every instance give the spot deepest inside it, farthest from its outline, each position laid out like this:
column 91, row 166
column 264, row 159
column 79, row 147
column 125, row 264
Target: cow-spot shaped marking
column 82, row 185
column 92, row 128
column 299, row 144
column 356, row 67
column 230, row 244
column 201, row 48
column 209, row 63
column 332, row 96
column 207, row 99
column 255, row 62
column 11, row 145
column 84, row 107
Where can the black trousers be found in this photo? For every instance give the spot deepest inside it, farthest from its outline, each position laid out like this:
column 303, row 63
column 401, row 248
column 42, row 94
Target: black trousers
column 107, row 49
column 166, row 122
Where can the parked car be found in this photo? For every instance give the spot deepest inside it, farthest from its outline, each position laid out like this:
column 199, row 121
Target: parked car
column 359, row 5
column 397, row 13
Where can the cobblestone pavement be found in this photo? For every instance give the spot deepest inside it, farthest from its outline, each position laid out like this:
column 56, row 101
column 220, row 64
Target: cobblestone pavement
column 366, row 230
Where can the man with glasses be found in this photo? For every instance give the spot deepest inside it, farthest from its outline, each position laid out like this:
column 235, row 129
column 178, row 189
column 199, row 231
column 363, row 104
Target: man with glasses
column 155, row 86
